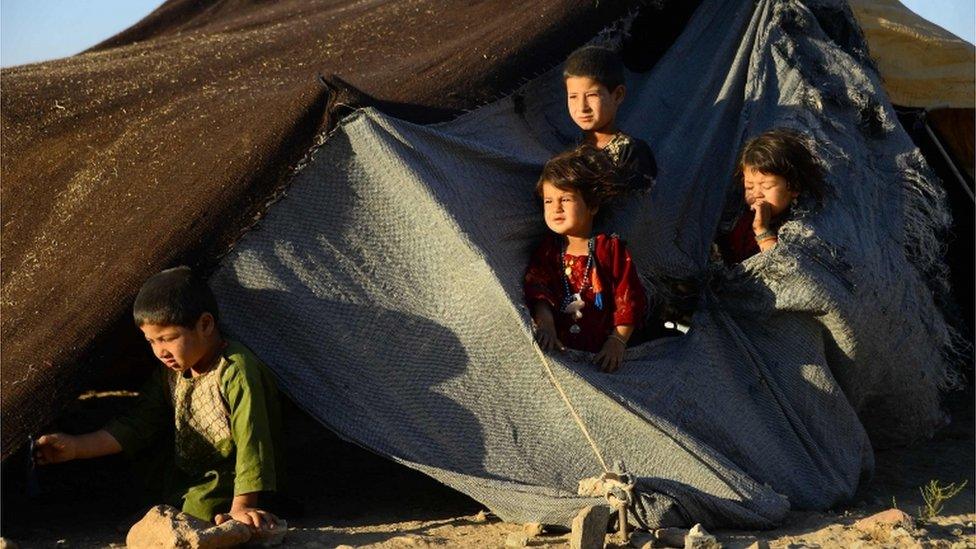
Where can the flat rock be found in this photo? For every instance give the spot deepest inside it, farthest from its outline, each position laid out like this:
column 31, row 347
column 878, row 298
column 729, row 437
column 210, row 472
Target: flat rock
column 888, row 519
column 166, row 526
column 590, row 528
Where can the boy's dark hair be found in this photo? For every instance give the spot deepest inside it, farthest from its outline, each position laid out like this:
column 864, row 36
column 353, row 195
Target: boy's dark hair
column 596, row 62
column 585, row 169
column 174, row 297
column 784, row 152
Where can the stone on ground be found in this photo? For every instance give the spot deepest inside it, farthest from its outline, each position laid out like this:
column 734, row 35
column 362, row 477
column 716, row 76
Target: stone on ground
column 166, row 526
column 698, row 538
column 888, row 519
column 886, row 526
column 532, row 529
column 590, row 528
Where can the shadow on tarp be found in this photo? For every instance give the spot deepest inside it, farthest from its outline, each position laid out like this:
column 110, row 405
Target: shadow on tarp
column 347, row 353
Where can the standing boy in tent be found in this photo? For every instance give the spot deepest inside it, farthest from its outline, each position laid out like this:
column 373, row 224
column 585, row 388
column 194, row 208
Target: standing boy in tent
column 221, row 397
column 594, row 78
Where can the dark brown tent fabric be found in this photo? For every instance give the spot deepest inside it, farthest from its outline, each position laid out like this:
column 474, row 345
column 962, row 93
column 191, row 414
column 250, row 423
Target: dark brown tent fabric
column 957, row 129
column 163, row 143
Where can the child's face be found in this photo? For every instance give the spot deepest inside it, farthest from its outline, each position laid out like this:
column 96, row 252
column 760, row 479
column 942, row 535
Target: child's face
column 180, row 348
column 566, row 212
column 591, row 105
column 769, row 188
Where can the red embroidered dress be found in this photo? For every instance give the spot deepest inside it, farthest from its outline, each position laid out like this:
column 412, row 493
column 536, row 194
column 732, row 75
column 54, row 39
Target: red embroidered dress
column 624, row 301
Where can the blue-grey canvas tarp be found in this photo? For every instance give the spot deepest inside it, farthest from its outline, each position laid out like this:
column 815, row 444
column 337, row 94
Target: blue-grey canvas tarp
column 384, row 289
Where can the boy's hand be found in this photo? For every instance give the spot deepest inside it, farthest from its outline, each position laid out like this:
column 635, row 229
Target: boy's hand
column 611, row 355
column 55, row 448
column 545, row 328
column 255, row 518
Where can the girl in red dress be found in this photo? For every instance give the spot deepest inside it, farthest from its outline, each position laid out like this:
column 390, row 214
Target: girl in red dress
column 582, row 288
column 775, row 169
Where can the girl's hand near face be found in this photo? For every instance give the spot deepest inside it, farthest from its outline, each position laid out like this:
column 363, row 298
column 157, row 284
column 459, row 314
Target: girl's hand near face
column 760, row 225
column 764, row 214
column 545, row 328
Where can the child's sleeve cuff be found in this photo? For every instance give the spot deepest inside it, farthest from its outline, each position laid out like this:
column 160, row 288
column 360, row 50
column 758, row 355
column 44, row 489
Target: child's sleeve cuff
column 126, row 435
column 247, row 486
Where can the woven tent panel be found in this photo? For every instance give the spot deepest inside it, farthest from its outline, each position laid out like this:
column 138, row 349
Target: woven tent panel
column 385, row 289
column 452, row 373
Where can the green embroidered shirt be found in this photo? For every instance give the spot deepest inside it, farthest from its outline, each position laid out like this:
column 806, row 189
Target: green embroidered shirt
column 228, row 429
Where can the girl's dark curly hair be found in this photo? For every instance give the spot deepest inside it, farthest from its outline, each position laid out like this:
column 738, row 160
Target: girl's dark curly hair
column 784, row 152
column 585, row 169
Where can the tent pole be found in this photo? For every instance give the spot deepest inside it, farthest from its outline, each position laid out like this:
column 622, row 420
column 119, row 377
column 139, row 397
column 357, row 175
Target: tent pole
column 948, row 159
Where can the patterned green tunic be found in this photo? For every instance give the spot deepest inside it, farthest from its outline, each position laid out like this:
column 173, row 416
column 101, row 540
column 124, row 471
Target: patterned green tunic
column 228, row 429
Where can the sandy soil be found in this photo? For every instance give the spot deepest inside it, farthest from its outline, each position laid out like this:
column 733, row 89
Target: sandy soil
column 354, row 498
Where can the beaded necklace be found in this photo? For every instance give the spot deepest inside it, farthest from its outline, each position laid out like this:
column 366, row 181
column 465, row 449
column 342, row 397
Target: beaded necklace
column 572, row 303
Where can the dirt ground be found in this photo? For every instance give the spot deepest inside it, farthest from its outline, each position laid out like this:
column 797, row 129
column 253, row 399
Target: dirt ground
column 352, row 497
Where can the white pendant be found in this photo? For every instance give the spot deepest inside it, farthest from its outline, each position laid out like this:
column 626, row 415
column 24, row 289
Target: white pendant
column 573, row 304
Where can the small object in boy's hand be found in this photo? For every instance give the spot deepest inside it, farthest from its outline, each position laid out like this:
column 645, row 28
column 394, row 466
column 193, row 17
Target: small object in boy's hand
column 33, row 486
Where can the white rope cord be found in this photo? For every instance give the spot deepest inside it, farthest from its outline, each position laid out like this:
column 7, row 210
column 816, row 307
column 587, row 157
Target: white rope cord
column 572, row 410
